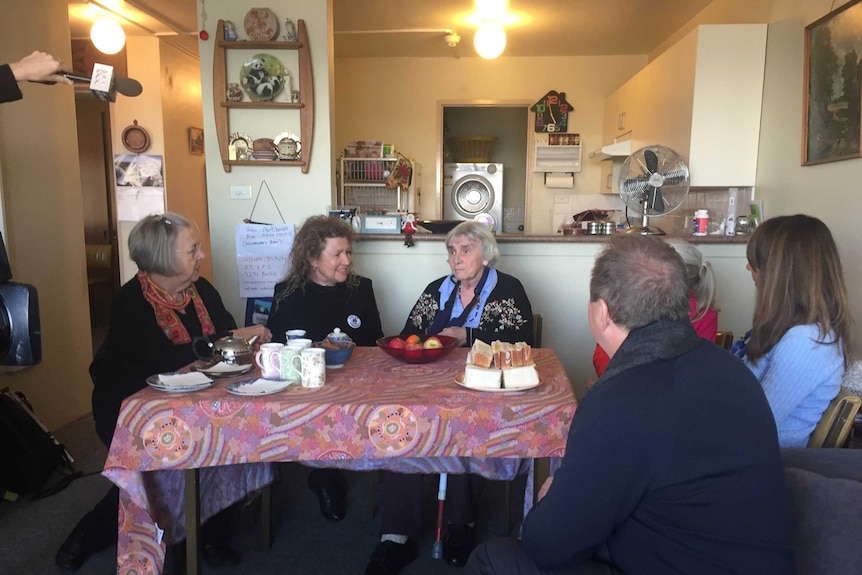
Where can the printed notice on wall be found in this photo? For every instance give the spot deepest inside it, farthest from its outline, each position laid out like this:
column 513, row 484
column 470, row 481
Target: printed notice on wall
column 262, row 257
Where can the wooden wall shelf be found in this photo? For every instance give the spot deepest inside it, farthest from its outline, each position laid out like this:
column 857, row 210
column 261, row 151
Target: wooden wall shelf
column 305, row 106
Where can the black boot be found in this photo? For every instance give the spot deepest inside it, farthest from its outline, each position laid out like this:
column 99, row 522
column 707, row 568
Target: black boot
column 331, row 489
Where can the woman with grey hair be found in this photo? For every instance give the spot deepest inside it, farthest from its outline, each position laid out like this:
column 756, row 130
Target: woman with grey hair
column 154, row 320
column 476, row 301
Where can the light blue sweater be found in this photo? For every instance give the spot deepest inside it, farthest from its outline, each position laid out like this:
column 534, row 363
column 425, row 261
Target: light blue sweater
column 800, row 377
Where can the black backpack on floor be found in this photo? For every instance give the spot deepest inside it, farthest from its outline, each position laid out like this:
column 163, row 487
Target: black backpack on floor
column 28, row 451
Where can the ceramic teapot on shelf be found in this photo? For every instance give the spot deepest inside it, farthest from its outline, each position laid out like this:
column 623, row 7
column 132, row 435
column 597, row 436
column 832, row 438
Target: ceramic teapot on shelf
column 229, row 349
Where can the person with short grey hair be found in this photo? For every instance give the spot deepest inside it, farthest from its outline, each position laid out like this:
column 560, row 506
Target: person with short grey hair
column 672, row 462
column 475, row 301
column 155, row 320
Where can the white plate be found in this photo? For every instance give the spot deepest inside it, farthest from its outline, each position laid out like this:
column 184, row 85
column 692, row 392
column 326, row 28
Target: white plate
column 459, row 379
column 257, row 386
column 154, row 382
column 222, row 369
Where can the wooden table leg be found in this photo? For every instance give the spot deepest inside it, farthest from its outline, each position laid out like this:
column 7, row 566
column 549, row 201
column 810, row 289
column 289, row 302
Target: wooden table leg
column 193, row 522
column 542, row 470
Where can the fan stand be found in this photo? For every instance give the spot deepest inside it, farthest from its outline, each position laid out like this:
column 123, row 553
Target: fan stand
column 645, row 229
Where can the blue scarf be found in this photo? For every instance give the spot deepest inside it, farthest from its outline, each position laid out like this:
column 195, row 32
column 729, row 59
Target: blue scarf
column 443, row 318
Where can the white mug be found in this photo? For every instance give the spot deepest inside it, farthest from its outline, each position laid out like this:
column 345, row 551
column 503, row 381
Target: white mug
column 294, row 334
column 304, row 342
column 288, row 363
column 313, row 367
column 263, row 359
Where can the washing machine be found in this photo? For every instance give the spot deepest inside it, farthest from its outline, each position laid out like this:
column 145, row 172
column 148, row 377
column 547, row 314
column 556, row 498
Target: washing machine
column 473, row 192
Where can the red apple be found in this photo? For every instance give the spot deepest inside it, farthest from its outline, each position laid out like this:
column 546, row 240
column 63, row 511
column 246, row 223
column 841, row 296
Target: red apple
column 397, row 343
column 413, row 339
column 432, row 342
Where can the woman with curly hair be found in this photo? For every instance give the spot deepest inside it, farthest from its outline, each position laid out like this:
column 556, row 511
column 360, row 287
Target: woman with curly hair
column 802, row 336
column 321, row 293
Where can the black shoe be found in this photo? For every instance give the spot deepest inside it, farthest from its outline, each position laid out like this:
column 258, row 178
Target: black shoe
column 219, row 555
column 389, row 558
column 74, row 550
column 458, row 544
column 332, row 497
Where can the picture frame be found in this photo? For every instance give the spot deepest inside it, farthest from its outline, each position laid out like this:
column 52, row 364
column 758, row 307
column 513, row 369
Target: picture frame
column 196, row 141
column 831, row 96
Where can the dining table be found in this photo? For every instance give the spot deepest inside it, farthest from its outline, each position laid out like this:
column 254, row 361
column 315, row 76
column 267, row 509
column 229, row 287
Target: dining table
column 179, row 458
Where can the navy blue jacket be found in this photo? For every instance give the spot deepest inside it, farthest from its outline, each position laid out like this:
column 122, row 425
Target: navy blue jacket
column 672, row 466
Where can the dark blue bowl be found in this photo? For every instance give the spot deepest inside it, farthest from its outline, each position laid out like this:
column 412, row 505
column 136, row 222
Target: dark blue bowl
column 336, row 358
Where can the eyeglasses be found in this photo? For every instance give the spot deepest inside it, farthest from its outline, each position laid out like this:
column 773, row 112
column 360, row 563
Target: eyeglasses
column 192, row 253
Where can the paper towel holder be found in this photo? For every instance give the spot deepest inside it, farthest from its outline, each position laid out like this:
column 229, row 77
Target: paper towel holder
column 560, row 180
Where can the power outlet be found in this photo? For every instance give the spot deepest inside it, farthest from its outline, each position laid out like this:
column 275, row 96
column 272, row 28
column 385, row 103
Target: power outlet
column 240, row 192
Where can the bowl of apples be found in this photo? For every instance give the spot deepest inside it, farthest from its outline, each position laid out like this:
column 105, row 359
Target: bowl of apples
column 417, row 348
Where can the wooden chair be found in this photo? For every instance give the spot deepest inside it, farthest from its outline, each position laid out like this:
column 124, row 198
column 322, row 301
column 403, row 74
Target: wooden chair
column 724, row 339
column 835, row 424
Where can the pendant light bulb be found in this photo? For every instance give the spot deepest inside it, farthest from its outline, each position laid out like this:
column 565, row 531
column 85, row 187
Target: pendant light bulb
column 489, row 41
column 107, row 36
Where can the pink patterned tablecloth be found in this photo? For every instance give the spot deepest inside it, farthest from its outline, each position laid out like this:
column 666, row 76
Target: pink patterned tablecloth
column 374, row 413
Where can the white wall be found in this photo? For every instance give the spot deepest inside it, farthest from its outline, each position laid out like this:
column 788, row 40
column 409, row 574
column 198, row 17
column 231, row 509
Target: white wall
column 297, row 195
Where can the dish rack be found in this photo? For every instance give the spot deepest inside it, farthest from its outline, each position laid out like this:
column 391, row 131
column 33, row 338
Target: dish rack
column 361, row 183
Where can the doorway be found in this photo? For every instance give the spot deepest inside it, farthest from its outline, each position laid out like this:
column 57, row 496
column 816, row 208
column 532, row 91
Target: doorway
column 509, row 124
column 97, row 184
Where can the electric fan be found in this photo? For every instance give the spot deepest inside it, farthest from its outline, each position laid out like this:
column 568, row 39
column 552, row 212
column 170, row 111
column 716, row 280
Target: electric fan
column 653, row 182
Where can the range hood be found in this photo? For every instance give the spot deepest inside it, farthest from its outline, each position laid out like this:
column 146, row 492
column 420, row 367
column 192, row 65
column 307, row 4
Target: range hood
column 616, row 150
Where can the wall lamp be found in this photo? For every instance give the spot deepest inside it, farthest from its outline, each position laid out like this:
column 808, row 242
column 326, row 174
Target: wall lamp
column 107, row 36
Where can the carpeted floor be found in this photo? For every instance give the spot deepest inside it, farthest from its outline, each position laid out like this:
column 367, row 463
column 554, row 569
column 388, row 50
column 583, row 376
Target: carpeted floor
column 304, row 542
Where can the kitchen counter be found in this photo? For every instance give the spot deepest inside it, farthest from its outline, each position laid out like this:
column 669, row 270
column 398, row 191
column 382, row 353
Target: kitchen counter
column 556, row 238
column 555, row 271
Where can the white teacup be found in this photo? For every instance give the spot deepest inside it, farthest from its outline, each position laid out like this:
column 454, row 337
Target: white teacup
column 303, row 341
column 313, row 367
column 294, row 334
column 263, row 359
column 289, row 363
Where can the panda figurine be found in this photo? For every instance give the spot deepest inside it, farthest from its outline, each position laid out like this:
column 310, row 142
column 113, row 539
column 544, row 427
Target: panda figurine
column 269, row 87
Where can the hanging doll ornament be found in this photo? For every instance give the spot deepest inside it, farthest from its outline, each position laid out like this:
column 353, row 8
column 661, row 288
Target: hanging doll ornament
column 409, row 228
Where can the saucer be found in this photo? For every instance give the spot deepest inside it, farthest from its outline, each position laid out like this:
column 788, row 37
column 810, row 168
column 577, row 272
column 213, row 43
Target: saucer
column 257, row 386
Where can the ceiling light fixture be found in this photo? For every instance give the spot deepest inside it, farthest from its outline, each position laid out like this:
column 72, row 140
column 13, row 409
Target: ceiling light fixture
column 489, row 18
column 107, row 36
column 489, row 41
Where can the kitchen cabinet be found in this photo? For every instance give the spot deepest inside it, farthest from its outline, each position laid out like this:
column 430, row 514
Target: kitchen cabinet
column 305, row 106
column 702, row 97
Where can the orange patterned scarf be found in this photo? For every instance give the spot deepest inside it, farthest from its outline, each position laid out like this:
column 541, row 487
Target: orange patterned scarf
column 166, row 309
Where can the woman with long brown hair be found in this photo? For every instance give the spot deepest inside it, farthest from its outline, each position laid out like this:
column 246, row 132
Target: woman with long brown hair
column 801, row 340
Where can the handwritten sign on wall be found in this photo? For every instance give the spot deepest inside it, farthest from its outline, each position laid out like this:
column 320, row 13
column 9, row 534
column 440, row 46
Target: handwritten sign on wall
column 262, row 257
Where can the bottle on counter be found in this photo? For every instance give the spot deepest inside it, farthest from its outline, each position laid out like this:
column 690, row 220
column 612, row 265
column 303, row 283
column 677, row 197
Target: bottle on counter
column 701, row 222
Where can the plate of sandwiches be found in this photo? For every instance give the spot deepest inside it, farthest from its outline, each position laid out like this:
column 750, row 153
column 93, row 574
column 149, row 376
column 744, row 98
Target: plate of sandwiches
column 499, row 367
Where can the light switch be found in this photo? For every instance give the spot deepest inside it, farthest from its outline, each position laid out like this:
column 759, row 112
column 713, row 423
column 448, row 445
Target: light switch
column 561, row 198
column 240, row 192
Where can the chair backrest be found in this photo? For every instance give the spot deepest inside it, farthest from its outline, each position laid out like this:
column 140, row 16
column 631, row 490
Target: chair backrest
column 537, row 330
column 835, row 424
column 724, row 339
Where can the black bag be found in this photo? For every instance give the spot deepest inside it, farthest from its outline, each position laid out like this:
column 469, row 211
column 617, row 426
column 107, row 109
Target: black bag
column 28, row 451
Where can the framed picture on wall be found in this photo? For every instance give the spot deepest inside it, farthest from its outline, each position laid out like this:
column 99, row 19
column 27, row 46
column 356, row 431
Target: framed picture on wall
column 196, row 141
column 832, row 96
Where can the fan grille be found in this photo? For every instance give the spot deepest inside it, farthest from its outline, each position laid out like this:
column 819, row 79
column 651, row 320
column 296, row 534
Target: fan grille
column 655, row 177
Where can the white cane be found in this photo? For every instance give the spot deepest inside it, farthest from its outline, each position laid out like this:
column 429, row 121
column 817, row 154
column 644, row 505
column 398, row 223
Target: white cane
column 437, row 550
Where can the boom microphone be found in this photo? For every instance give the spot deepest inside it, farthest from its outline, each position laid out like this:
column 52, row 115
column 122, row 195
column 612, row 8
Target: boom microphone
column 125, row 86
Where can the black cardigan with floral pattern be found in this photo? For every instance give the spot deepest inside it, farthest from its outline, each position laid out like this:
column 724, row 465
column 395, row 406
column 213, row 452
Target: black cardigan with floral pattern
column 506, row 316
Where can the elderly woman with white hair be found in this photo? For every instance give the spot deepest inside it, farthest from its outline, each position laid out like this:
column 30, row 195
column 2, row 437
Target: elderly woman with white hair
column 475, row 301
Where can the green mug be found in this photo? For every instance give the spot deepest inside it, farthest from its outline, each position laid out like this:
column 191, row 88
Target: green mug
column 289, row 363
